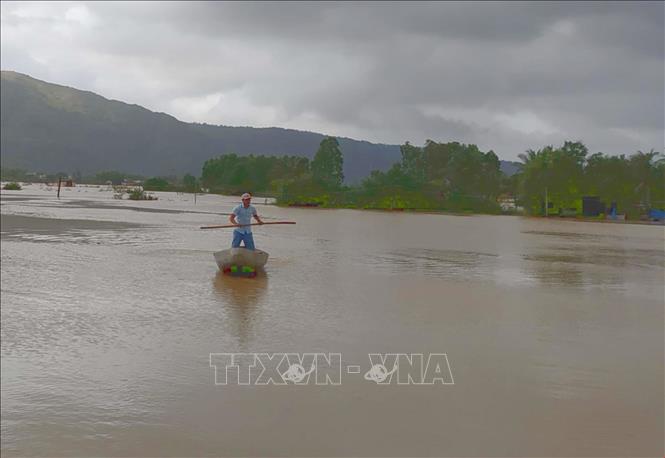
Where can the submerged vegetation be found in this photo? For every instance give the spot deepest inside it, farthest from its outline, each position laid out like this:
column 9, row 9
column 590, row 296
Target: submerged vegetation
column 13, row 186
column 135, row 193
column 140, row 194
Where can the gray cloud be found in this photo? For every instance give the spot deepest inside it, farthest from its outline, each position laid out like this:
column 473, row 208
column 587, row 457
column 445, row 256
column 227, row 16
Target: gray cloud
column 507, row 76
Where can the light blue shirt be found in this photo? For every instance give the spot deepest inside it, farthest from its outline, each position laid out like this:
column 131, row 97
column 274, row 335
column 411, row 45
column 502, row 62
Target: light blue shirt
column 244, row 216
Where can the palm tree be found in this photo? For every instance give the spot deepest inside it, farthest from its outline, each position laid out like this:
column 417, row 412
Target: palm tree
column 530, row 156
column 644, row 169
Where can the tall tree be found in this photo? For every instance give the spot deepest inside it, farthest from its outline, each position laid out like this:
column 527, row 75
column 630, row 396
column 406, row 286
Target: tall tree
column 437, row 158
column 413, row 162
column 328, row 163
column 644, row 167
column 190, row 183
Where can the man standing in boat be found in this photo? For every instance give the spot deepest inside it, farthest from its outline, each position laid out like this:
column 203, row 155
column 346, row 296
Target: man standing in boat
column 242, row 218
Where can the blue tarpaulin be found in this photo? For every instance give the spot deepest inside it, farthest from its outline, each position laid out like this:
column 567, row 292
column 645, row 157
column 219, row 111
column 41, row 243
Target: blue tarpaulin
column 657, row 214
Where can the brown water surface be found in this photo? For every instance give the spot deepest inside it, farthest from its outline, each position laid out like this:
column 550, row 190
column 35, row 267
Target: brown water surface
column 110, row 310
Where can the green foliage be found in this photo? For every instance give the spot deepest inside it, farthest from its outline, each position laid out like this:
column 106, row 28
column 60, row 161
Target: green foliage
column 439, row 176
column 399, row 187
column 190, row 183
column 444, row 176
column 560, row 171
column 156, row 184
column 568, row 173
column 328, row 163
column 9, row 174
column 305, row 189
column 13, row 186
column 509, row 185
column 413, row 163
column 140, row 194
column 231, row 173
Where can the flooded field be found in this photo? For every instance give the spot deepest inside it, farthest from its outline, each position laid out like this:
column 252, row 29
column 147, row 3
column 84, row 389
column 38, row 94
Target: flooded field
column 553, row 331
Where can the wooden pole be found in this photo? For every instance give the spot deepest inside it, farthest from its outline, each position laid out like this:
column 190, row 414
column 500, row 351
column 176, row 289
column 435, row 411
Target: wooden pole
column 59, row 183
column 243, row 225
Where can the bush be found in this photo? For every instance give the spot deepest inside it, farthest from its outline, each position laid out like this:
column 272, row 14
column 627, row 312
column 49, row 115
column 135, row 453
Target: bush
column 13, row 186
column 156, row 184
column 140, row 194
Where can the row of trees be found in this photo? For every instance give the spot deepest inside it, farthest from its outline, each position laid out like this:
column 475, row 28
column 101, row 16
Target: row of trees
column 234, row 174
column 186, row 183
column 563, row 175
column 450, row 176
column 104, row 177
column 458, row 177
column 437, row 176
column 16, row 174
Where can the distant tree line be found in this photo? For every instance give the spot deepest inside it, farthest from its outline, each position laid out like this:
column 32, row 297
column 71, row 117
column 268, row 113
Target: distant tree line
column 447, row 176
column 233, row 174
column 563, row 175
column 437, row 176
column 17, row 174
column 186, row 183
column 461, row 178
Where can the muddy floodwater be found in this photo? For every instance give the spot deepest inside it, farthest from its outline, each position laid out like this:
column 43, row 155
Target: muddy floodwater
column 552, row 329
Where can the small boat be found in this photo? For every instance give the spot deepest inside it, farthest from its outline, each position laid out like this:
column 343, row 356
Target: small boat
column 241, row 261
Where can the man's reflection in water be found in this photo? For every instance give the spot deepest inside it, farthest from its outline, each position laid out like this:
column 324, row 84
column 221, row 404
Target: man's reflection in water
column 241, row 298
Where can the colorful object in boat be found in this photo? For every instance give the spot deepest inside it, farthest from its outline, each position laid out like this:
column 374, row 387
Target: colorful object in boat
column 240, row 271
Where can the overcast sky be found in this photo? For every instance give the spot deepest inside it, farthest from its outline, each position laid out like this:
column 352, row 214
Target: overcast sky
column 506, row 76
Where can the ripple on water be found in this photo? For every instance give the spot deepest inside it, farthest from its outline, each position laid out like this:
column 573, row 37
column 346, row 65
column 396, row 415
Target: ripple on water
column 48, row 230
column 602, row 256
column 430, row 262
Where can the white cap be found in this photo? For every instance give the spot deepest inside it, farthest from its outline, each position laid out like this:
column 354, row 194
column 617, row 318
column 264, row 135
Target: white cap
column 246, row 196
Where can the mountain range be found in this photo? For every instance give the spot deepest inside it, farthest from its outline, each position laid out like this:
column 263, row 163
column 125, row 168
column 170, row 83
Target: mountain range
column 50, row 128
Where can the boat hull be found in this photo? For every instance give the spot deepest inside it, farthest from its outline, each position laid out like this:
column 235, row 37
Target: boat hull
column 240, row 257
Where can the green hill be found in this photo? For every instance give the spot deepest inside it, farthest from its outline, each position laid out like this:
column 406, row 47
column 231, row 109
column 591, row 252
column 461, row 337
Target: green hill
column 50, row 128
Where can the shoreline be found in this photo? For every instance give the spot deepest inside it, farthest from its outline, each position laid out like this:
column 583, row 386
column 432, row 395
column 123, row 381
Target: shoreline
column 14, row 196
column 578, row 219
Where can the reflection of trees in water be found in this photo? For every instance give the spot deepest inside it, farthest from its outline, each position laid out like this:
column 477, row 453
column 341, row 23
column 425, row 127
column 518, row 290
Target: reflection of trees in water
column 617, row 256
column 553, row 273
column 436, row 263
column 586, row 254
column 240, row 297
column 581, row 265
column 588, row 259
